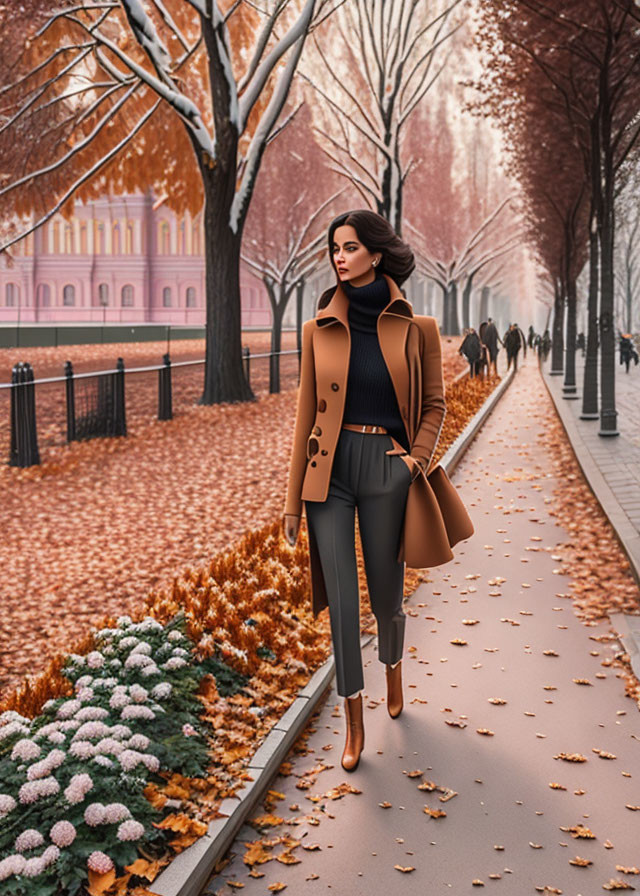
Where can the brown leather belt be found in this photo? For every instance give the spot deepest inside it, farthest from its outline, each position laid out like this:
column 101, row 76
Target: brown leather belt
column 364, row 427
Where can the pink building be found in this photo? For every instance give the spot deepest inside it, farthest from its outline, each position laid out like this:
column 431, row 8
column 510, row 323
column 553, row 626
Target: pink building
column 123, row 259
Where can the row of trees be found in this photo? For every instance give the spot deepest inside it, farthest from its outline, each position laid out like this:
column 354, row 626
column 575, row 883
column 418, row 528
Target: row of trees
column 194, row 97
column 563, row 80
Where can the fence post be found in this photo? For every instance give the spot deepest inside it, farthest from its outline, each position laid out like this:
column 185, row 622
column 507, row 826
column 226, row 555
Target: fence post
column 24, row 438
column 246, row 354
column 119, row 415
column 165, row 409
column 71, row 401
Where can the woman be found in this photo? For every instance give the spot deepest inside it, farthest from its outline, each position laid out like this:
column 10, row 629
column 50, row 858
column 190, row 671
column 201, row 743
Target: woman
column 370, row 409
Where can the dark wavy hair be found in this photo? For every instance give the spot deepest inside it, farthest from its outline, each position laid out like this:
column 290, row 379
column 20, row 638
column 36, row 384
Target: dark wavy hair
column 377, row 235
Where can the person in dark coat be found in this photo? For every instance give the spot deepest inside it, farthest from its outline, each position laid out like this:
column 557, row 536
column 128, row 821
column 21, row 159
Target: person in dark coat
column 491, row 339
column 471, row 348
column 531, row 336
column 627, row 350
column 514, row 340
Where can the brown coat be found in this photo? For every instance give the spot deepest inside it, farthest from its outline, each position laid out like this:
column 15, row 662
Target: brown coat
column 410, row 345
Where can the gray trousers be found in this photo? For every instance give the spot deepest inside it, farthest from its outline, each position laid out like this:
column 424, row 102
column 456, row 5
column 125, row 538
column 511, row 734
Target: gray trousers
column 362, row 476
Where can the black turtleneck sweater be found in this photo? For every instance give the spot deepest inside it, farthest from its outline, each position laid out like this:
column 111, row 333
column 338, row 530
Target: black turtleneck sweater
column 370, row 394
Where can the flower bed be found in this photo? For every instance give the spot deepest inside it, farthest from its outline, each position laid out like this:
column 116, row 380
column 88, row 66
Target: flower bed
column 116, row 757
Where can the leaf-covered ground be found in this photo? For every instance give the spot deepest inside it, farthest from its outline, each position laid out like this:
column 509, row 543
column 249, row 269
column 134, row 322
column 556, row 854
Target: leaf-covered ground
column 98, row 524
column 515, row 761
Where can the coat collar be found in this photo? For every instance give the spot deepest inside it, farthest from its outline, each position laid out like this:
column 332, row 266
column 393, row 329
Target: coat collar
column 338, row 306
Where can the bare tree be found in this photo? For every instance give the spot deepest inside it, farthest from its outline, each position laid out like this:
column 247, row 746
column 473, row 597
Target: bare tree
column 374, row 68
column 92, row 77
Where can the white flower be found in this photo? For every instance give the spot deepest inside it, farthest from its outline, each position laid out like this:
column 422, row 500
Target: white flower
column 11, row 729
column 137, row 712
column 130, row 830
column 104, row 761
column 48, row 705
column 70, row 725
column 175, row 635
column 50, row 855
column 85, row 694
column 63, row 833
column 56, row 737
column 143, row 647
column 7, row 804
column 95, row 660
column 46, row 766
column 115, row 813
column 150, row 670
column 106, row 684
column 129, row 759
column 118, row 700
column 162, row 690
column 180, row 651
column 138, row 742
column 94, row 814
column 26, row 750
column 91, row 714
column 124, row 621
column 11, row 865
column 83, row 682
column 76, row 659
column 151, row 762
column 148, row 624
column 105, row 633
column 10, row 715
column 138, row 693
column 33, row 867
column 138, row 661
column 68, row 708
column 29, row 839
column 175, row 662
column 109, row 745
column 129, row 641
column 79, row 786
column 122, row 732
column 188, row 730
column 91, row 730
column 82, row 749
column 34, row 790
column 115, row 664
column 99, row 862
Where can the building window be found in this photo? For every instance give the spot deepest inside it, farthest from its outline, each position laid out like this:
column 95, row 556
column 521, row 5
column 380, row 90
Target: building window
column 43, row 298
column 195, row 238
column 103, row 294
column 100, row 241
column 165, row 238
column 11, row 294
column 127, row 295
column 191, row 297
column 129, row 238
column 84, row 245
column 166, row 297
column 115, row 248
column 68, row 239
column 69, row 295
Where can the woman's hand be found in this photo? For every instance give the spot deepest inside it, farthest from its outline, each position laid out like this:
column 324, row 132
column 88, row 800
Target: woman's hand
column 291, row 526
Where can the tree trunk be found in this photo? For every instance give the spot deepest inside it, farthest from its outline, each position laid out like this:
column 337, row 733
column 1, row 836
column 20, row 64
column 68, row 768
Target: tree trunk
column 590, row 379
column 608, row 413
column 299, row 321
column 224, row 377
column 569, row 388
column 445, row 308
column 557, row 345
column 484, row 304
column 454, row 327
column 466, row 302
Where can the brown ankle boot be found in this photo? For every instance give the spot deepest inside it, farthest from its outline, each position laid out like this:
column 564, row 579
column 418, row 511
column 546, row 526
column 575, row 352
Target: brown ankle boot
column 355, row 732
column 394, row 690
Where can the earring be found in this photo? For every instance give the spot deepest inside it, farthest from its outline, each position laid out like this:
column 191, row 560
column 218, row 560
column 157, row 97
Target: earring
column 373, row 264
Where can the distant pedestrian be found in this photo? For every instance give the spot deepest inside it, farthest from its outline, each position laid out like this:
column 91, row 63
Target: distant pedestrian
column 545, row 344
column 513, row 341
column 531, row 336
column 490, row 338
column 627, row 351
column 580, row 343
column 471, row 348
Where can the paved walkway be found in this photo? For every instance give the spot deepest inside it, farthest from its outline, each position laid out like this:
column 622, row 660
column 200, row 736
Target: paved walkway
column 495, row 682
column 611, row 464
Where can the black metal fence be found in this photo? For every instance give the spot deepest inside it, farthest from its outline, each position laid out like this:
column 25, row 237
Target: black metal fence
column 95, row 401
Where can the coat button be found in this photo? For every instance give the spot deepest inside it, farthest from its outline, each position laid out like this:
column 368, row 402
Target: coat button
column 324, row 451
column 316, row 431
column 335, row 387
column 313, row 463
column 322, row 405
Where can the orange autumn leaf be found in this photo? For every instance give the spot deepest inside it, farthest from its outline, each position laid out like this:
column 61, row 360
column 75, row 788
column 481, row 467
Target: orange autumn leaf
column 100, row 883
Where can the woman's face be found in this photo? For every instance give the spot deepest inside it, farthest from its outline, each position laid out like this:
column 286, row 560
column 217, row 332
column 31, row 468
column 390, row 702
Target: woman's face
column 352, row 260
